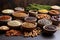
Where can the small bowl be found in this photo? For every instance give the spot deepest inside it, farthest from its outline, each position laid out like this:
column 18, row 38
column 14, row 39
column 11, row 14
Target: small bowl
column 30, row 19
column 55, row 7
column 8, row 12
column 54, row 13
column 44, row 23
column 43, row 11
column 55, row 20
column 28, row 28
column 3, row 29
column 4, row 22
column 33, row 13
column 49, row 29
column 17, row 14
column 16, row 24
column 19, row 9
column 42, row 16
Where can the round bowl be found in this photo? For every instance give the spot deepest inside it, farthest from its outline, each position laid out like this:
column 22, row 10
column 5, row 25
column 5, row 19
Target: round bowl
column 20, row 15
column 30, row 19
column 43, row 22
column 49, row 29
column 3, row 20
column 28, row 28
column 33, row 13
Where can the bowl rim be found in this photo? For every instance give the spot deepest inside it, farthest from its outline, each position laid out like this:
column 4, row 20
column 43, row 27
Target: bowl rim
column 20, row 12
column 35, row 24
column 32, row 11
column 50, row 30
column 30, row 17
column 15, row 25
column 7, row 19
column 6, row 10
column 44, row 14
column 16, row 8
column 54, row 20
column 46, row 19
column 55, row 8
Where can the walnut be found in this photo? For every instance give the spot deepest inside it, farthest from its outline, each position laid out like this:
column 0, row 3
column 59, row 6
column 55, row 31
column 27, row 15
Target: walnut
column 13, row 33
column 33, row 33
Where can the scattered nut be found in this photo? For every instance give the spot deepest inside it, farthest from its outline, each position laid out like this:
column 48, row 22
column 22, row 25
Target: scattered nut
column 33, row 33
column 13, row 33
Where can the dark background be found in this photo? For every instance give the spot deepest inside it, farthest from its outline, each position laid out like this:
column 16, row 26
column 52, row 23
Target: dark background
column 23, row 3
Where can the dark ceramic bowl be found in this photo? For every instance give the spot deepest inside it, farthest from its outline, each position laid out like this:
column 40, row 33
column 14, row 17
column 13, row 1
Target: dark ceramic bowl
column 30, row 19
column 28, row 29
column 22, row 18
column 55, row 20
column 3, row 30
column 4, row 22
column 43, row 22
column 14, row 26
column 42, row 16
column 33, row 13
column 10, row 12
column 49, row 29
column 54, row 13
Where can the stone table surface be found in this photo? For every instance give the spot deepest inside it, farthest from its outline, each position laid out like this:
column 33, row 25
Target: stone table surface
column 56, row 36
